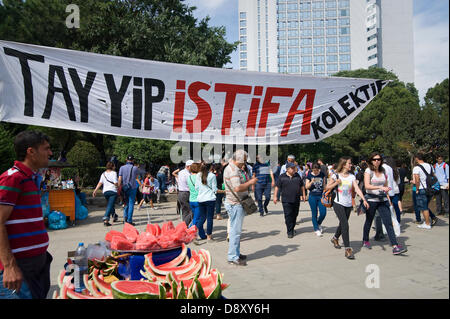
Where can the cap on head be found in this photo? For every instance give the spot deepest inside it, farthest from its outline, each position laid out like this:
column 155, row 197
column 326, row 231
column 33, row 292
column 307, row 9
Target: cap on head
column 130, row 158
column 291, row 157
column 189, row 162
column 289, row 165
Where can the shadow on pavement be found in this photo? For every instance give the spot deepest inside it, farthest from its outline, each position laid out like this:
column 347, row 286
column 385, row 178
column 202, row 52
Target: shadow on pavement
column 274, row 250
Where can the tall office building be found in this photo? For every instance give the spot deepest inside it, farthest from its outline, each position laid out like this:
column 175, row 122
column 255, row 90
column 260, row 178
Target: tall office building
column 322, row 37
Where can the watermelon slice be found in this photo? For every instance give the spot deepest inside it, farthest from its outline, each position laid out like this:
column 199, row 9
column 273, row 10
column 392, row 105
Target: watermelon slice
column 167, row 228
column 119, row 243
column 130, row 232
column 111, row 233
column 103, row 286
column 136, row 289
column 72, row 294
column 177, row 260
column 207, row 262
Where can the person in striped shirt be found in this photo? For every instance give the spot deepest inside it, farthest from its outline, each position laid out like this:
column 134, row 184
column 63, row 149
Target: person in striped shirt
column 24, row 260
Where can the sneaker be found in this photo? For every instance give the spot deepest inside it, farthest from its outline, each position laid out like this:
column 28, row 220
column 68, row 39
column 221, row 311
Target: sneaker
column 321, row 229
column 238, row 262
column 243, row 257
column 434, row 221
column 399, row 250
column 116, row 218
column 154, row 208
column 199, row 241
column 265, row 210
column 106, row 223
column 291, row 235
column 318, row 233
column 418, row 222
column 367, row 245
column 424, row 226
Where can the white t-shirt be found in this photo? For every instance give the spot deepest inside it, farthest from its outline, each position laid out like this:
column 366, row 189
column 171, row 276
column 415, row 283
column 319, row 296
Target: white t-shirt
column 183, row 176
column 376, row 181
column 423, row 178
column 108, row 179
column 344, row 196
column 391, row 183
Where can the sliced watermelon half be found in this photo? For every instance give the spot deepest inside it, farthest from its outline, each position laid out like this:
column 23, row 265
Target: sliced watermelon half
column 136, row 289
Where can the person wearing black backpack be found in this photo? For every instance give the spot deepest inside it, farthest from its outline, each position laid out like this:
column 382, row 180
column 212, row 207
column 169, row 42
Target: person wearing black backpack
column 422, row 180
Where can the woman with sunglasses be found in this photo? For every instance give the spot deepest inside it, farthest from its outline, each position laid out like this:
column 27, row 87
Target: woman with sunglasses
column 376, row 184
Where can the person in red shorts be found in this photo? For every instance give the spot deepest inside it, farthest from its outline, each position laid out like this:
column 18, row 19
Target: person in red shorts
column 24, row 260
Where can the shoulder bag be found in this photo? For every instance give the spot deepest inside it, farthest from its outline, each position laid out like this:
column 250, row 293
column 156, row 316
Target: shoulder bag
column 248, row 204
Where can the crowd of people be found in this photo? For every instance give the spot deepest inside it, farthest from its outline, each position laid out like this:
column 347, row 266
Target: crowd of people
column 378, row 181
column 203, row 188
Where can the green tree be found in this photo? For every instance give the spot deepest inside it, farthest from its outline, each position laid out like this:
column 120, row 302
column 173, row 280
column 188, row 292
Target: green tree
column 436, row 112
column 7, row 153
column 386, row 122
column 85, row 158
column 144, row 150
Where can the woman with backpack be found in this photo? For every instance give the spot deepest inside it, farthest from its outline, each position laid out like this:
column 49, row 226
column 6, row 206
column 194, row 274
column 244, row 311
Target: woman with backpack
column 344, row 182
column 315, row 182
column 109, row 182
column 376, row 184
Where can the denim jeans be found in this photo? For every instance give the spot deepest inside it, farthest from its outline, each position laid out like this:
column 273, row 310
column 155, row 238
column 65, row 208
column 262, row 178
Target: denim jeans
column 5, row 293
column 315, row 204
column 219, row 200
column 260, row 190
column 195, row 213
column 417, row 210
column 128, row 210
column 236, row 217
column 111, row 199
column 206, row 213
column 385, row 215
column 162, row 181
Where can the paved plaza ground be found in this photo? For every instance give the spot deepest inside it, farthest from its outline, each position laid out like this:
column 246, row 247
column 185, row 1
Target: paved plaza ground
column 304, row 267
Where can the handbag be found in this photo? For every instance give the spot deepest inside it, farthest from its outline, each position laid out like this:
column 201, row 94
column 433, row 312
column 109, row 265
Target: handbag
column 248, row 204
column 329, row 196
column 395, row 222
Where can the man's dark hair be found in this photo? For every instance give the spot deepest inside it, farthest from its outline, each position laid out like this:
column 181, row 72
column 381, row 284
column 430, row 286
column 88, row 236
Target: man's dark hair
column 420, row 156
column 27, row 139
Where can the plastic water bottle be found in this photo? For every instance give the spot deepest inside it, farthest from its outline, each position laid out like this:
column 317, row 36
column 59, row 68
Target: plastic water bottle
column 82, row 262
column 70, row 184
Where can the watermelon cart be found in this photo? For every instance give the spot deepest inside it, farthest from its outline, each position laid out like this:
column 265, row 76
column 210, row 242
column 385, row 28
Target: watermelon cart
column 153, row 264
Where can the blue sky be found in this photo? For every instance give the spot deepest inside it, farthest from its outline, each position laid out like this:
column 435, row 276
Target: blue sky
column 431, row 35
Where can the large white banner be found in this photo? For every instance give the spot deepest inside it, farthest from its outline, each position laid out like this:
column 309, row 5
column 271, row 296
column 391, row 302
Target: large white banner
column 130, row 97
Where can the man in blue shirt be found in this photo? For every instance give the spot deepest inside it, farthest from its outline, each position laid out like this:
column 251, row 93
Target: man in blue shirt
column 264, row 185
column 441, row 170
column 127, row 179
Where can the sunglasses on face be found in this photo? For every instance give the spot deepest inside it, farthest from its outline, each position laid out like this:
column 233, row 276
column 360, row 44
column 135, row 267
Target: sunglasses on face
column 376, row 159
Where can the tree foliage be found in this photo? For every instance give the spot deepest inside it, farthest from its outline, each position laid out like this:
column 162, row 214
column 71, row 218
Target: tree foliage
column 85, row 158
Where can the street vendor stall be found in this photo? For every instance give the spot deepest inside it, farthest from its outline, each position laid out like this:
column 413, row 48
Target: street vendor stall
column 154, row 264
column 61, row 195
